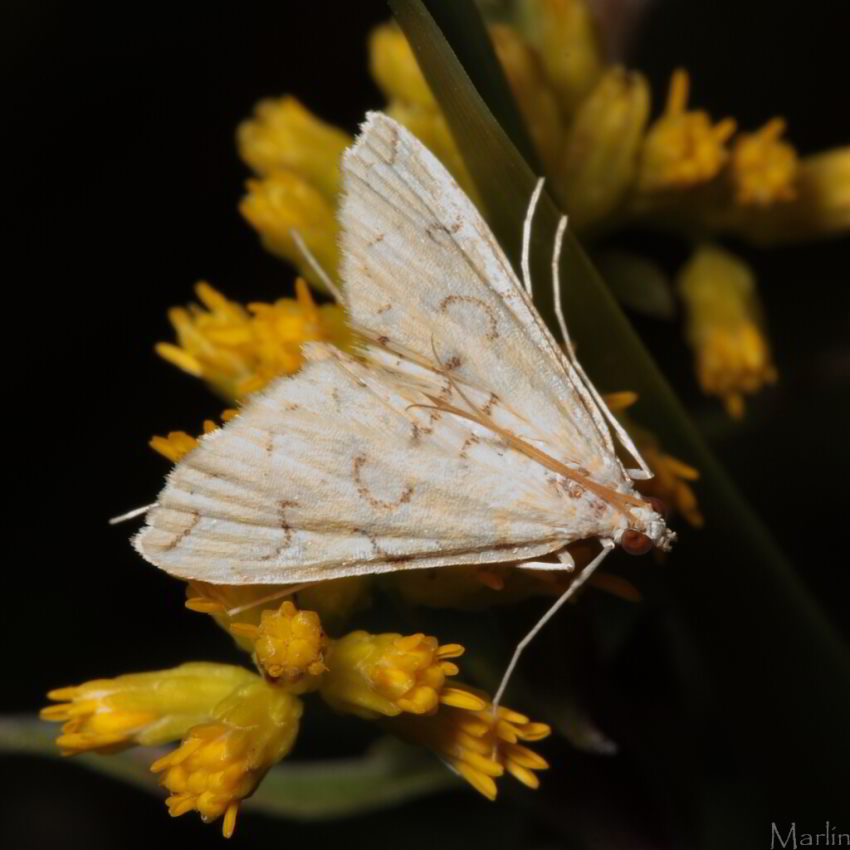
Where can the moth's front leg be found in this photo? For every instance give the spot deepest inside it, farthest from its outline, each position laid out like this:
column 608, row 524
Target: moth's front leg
column 565, row 562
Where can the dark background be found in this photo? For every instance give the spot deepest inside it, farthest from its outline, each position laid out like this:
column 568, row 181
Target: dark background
column 125, row 182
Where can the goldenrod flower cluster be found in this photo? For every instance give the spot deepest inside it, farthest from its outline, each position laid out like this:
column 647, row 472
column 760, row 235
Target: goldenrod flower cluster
column 235, row 725
column 237, row 350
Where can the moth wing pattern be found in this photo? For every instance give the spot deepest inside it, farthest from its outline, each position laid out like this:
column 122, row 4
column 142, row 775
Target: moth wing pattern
column 345, row 469
column 423, row 271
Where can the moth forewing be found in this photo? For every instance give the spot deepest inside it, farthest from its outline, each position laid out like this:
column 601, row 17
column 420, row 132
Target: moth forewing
column 457, row 435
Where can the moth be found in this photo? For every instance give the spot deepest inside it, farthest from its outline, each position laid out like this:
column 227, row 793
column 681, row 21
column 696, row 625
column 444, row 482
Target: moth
column 459, row 432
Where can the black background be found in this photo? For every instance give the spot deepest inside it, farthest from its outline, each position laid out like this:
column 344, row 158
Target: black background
column 124, row 184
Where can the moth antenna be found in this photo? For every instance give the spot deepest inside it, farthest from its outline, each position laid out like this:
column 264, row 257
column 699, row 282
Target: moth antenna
column 278, row 594
column 556, row 285
column 526, row 238
column 581, row 578
column 643, row 472
column 131, row 514
column 314, row 264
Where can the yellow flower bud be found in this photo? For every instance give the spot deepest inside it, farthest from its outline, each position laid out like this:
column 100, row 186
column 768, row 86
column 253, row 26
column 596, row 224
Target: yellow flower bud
column 237, row 351
column 600, row 158
column 221, row 762
column 535, row 98
column 763, row 168
column 283, row 135
column 823, row 189
column 289, row 645
column 284, row 201
column 564, row 35
column 477, row 742
column 146, row 709
column 724, row 326
column 372, row 675
column 821, row 206
column 682, row 148
column 393, row 67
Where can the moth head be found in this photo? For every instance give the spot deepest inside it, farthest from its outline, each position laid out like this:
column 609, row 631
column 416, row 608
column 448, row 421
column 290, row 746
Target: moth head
column 648, row 531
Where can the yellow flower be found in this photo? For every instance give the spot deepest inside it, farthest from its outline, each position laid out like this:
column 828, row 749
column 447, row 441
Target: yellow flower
column 221, row 762
column 534, row 97
column 820, row 206
column 682, row 148
column 283, row 135
column 231, row 604
column 237, row 350
column 477, row 742
column 671, row 477
column 724, row 326
column 600, row 158
column 284, row 201
column 373, row 675
column 177, row 444
column 565, row 38
column 393, row 67
column 823, row 191
column 333, row 601
column 763, row 168
column 146, row 709
column 289, row 645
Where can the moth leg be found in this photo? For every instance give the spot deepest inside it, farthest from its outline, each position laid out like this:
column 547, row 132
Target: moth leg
column 526, row 238
column 278, row 594
column 565, row 560
column 132, row 514
column 643, row 472
column 314, row 264
column 581, row 578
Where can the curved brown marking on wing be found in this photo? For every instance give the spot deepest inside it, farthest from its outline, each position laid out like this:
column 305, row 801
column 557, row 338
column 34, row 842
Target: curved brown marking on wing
column 383, row 308
column 282, row 505
column 493, row 332
column 393, row 143
column 180, row 536
column 365, row 493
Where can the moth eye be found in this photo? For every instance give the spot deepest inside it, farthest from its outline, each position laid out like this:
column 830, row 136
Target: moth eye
column 635, row 542
column 659, row 506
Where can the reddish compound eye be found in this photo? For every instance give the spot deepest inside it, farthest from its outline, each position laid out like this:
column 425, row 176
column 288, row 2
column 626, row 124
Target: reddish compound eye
column 635, row 542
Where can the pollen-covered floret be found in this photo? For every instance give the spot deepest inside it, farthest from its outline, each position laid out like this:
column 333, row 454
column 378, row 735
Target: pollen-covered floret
column 222, row 761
